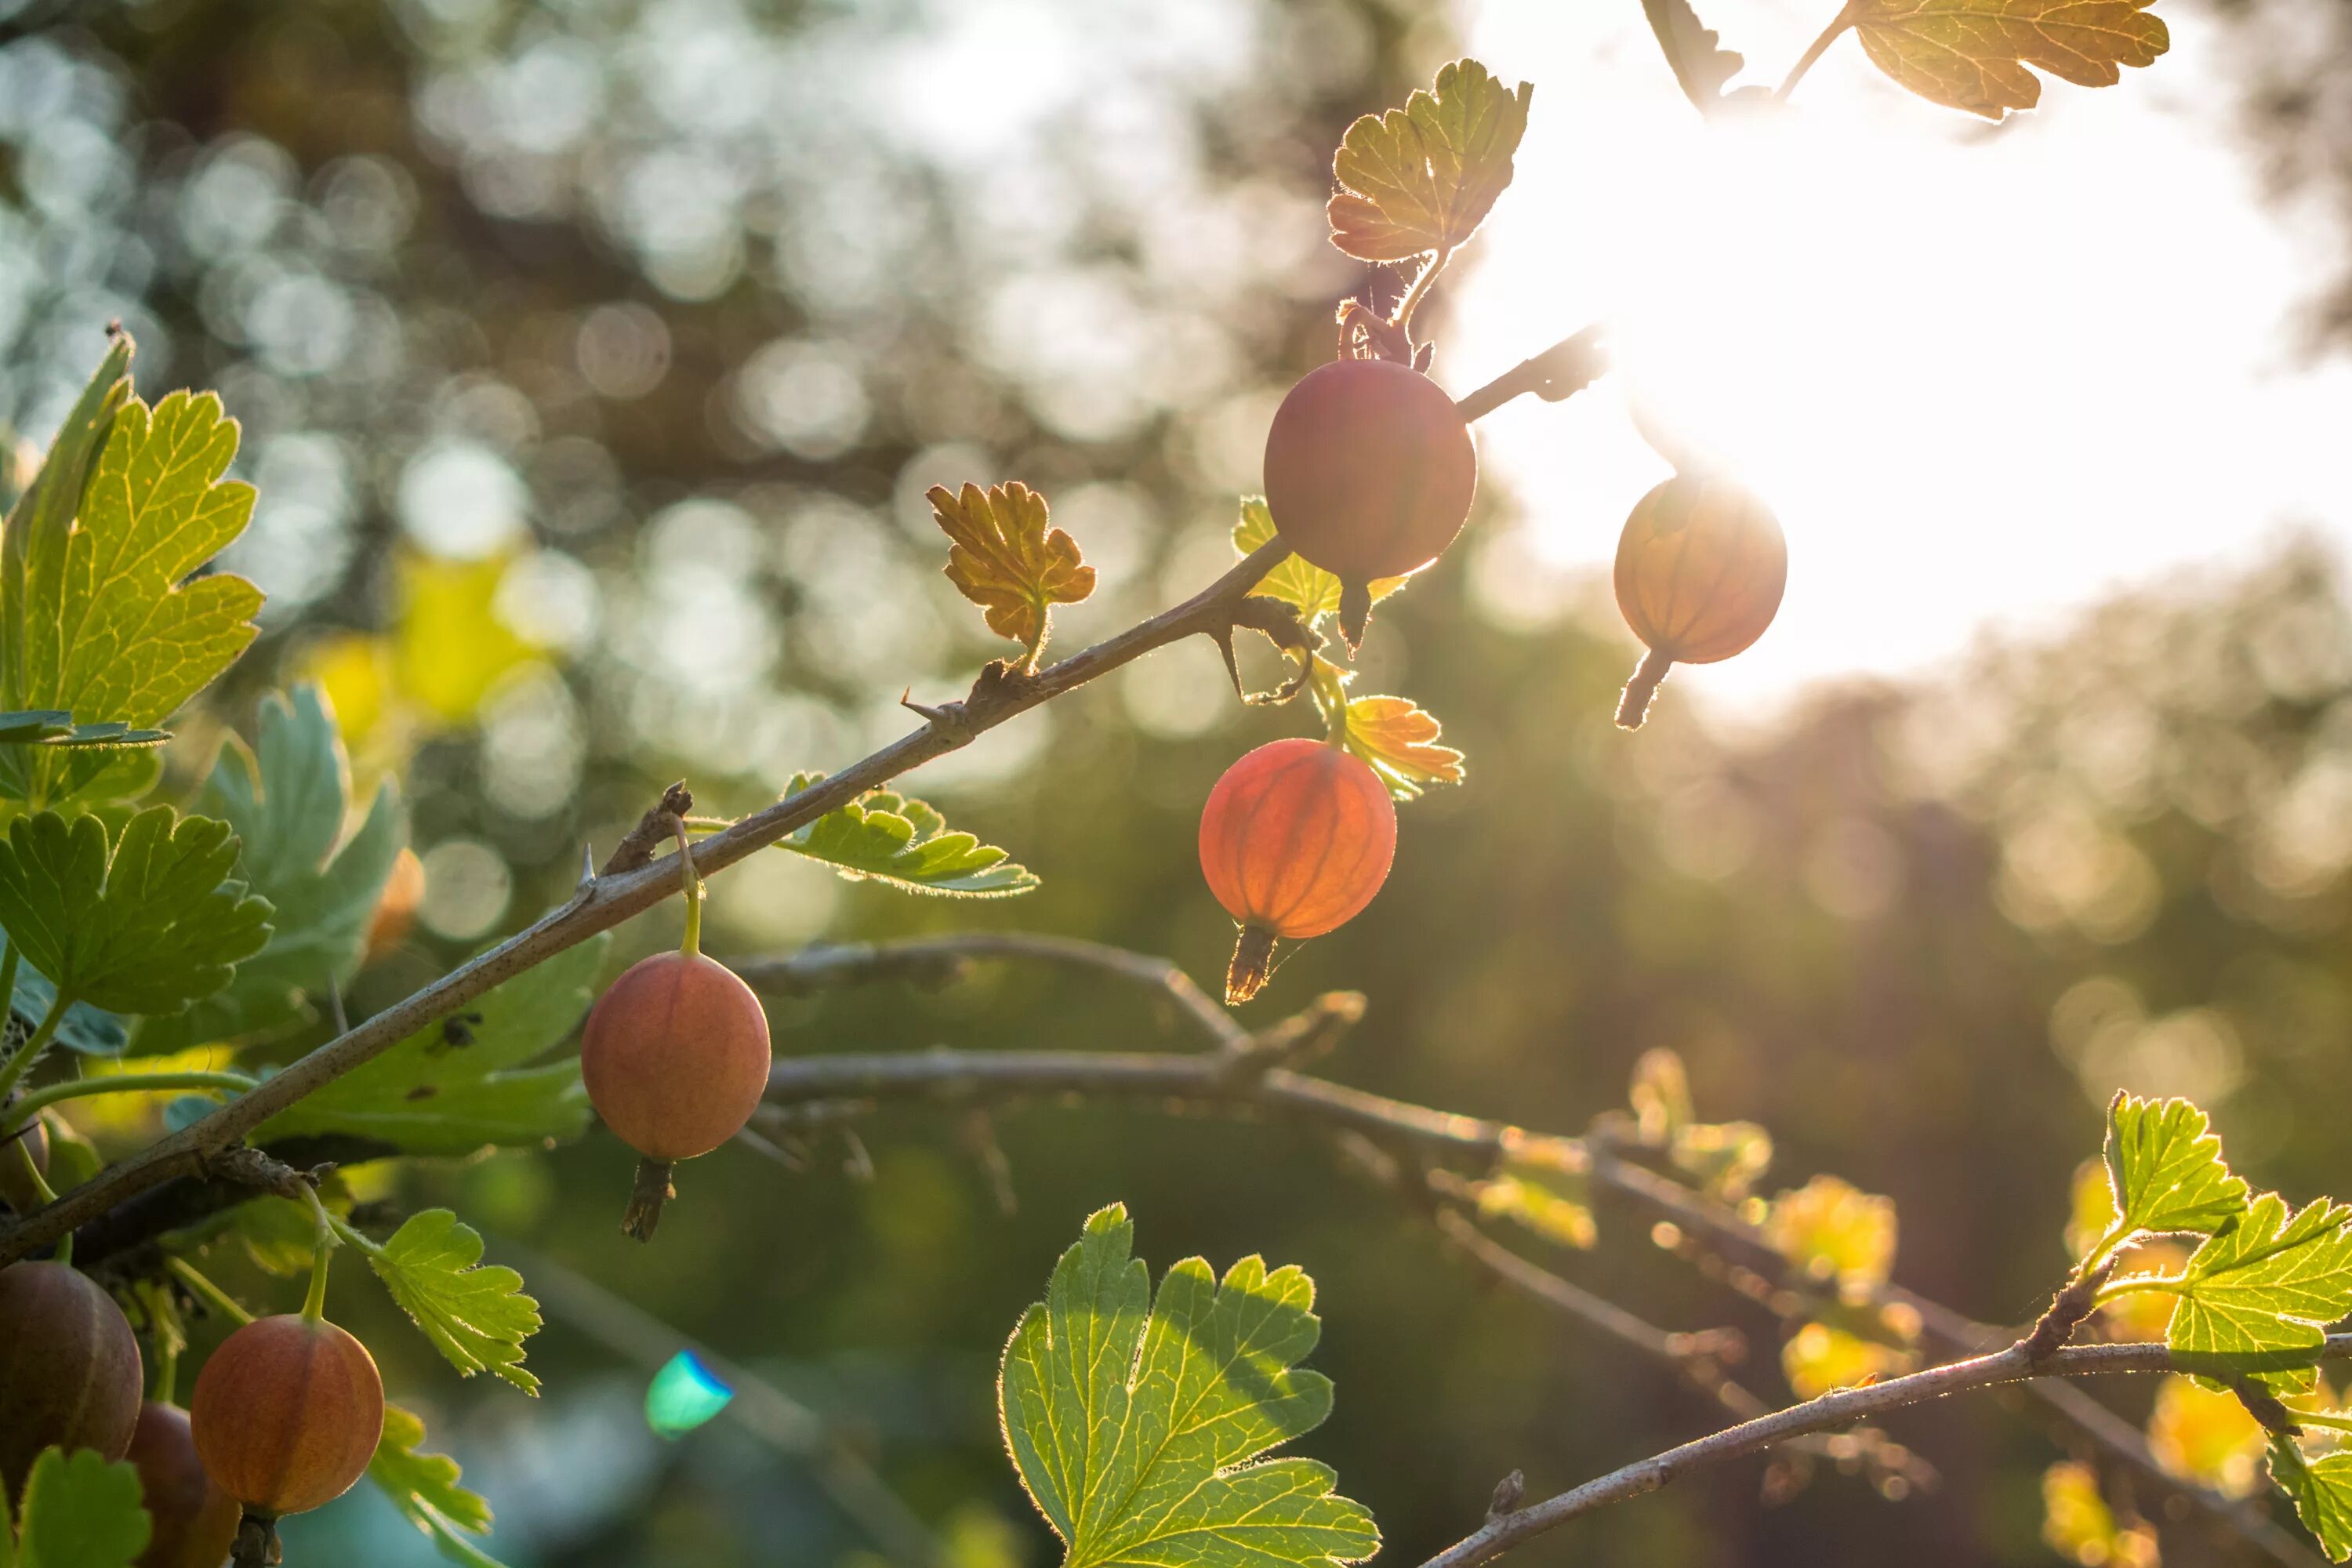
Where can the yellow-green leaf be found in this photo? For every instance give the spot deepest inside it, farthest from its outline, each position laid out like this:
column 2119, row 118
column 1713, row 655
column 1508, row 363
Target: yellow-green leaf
column 425, row 1488
column 1393, row 735
column 78, row 1511
column 2078, row 1525
column 114, row 627
column 1832, row 1231
column 476, row 1314
column 1007, row 559
column 1423, row 178
column 2322, row 1490
column 1305, row 587
column 1973, row 54
column 1141, row 1428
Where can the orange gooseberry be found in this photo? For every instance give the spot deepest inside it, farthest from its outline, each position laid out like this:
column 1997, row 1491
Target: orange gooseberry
column 676, row 1057
column 1295, row 840
column 195, row 1522
column 286, row 1416
column 1700, row 570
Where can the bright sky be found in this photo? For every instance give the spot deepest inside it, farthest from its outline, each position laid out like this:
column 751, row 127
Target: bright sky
column 1980, row 374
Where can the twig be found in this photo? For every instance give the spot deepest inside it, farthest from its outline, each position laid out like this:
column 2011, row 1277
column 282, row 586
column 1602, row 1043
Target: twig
column 848, row 964
column 1561, row 371
column 1813, row 51
column 805, row 1090
column 1830, row 1411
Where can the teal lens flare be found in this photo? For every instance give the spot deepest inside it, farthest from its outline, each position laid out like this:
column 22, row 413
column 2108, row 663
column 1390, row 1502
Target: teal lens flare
column 683, row 1395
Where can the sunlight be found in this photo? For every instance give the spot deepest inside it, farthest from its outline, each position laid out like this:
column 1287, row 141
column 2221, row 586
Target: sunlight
column 1976, row 372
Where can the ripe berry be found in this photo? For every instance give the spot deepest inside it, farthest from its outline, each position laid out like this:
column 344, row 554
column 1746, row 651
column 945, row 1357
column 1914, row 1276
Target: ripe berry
column 1296, row 838
column 1370, row 472
column 21, row 1157
column 675, row 1059
column 70, row 1368
column 1700, row 569
column 395, row 907
column 195, row 1521
column 286, row 1416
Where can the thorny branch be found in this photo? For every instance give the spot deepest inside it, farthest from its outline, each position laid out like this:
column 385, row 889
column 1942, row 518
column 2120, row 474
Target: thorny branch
column 821, row 1090
column 601, row 902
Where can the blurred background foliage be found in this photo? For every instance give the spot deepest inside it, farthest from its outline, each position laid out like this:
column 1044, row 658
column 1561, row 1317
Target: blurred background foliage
column 594, row 357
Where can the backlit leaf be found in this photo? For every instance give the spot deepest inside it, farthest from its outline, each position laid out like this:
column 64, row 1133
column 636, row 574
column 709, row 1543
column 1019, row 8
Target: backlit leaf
column 1545, row 1185
column 2269, row 1280
column 1394, row 737
column 456, row 1086
column 476, row 1314
column 425, row 1489
column 1005, row 558
column 115, row 626
column 146, row 923
column 1305, row 587
column 2322, row 1490
column 1423, row 178
column 2078, row 1525
column 79, row 1512
column 2165, row 1164
column 288, row 800
column 1139, row 1428
column 1973, row 54
column 886, row 837
column 1832, row 1231
column 1701, row 64
column 1818, row 1358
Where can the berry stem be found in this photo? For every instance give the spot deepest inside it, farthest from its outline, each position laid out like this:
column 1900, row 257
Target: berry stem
column 1413, row 296
column 32, row 1105
column 692, row 879
column 205, row 1291
column 1633, row 707
column 639, row 1220
column 63, row 1252
column 1253, row 961
column 1830, row 34
column 322, row 1253
column 21, row 1062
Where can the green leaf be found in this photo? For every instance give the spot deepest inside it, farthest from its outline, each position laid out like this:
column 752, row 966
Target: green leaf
column 1006, row 559
column 1307, row 588
column 1973, row 54
column 2165, row 1167
column 1423, row 178
column 147, row 924
column 79, row 1512
column 114, row 621
column 425, row 1489
column 288, row 800
column 458, row 1085
column 476, row 1316
column 51, row 727
column 2268, row 1280
column 43, row 516
column 891, row 837
column 2322, row 1490
column 84, row 1030
column 1140, row 1433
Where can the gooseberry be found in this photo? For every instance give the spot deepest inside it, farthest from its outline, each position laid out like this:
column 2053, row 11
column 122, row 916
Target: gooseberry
column 24, row 1155
column 1369, row 472
column 675, row 1059
column 395, row 907
column 194, row 1522
column 1295, row 840
column 285, row 1417
column 1700, row 570
column 70, row 1368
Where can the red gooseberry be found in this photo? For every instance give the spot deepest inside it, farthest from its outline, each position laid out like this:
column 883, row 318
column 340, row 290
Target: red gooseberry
column 1700, row 570
column 24, row 1155
column 1369, row 472
column 1295, row 840
column 70, row 1368
column 194, row 1522
column 676, row 1057
column 286, row 1416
